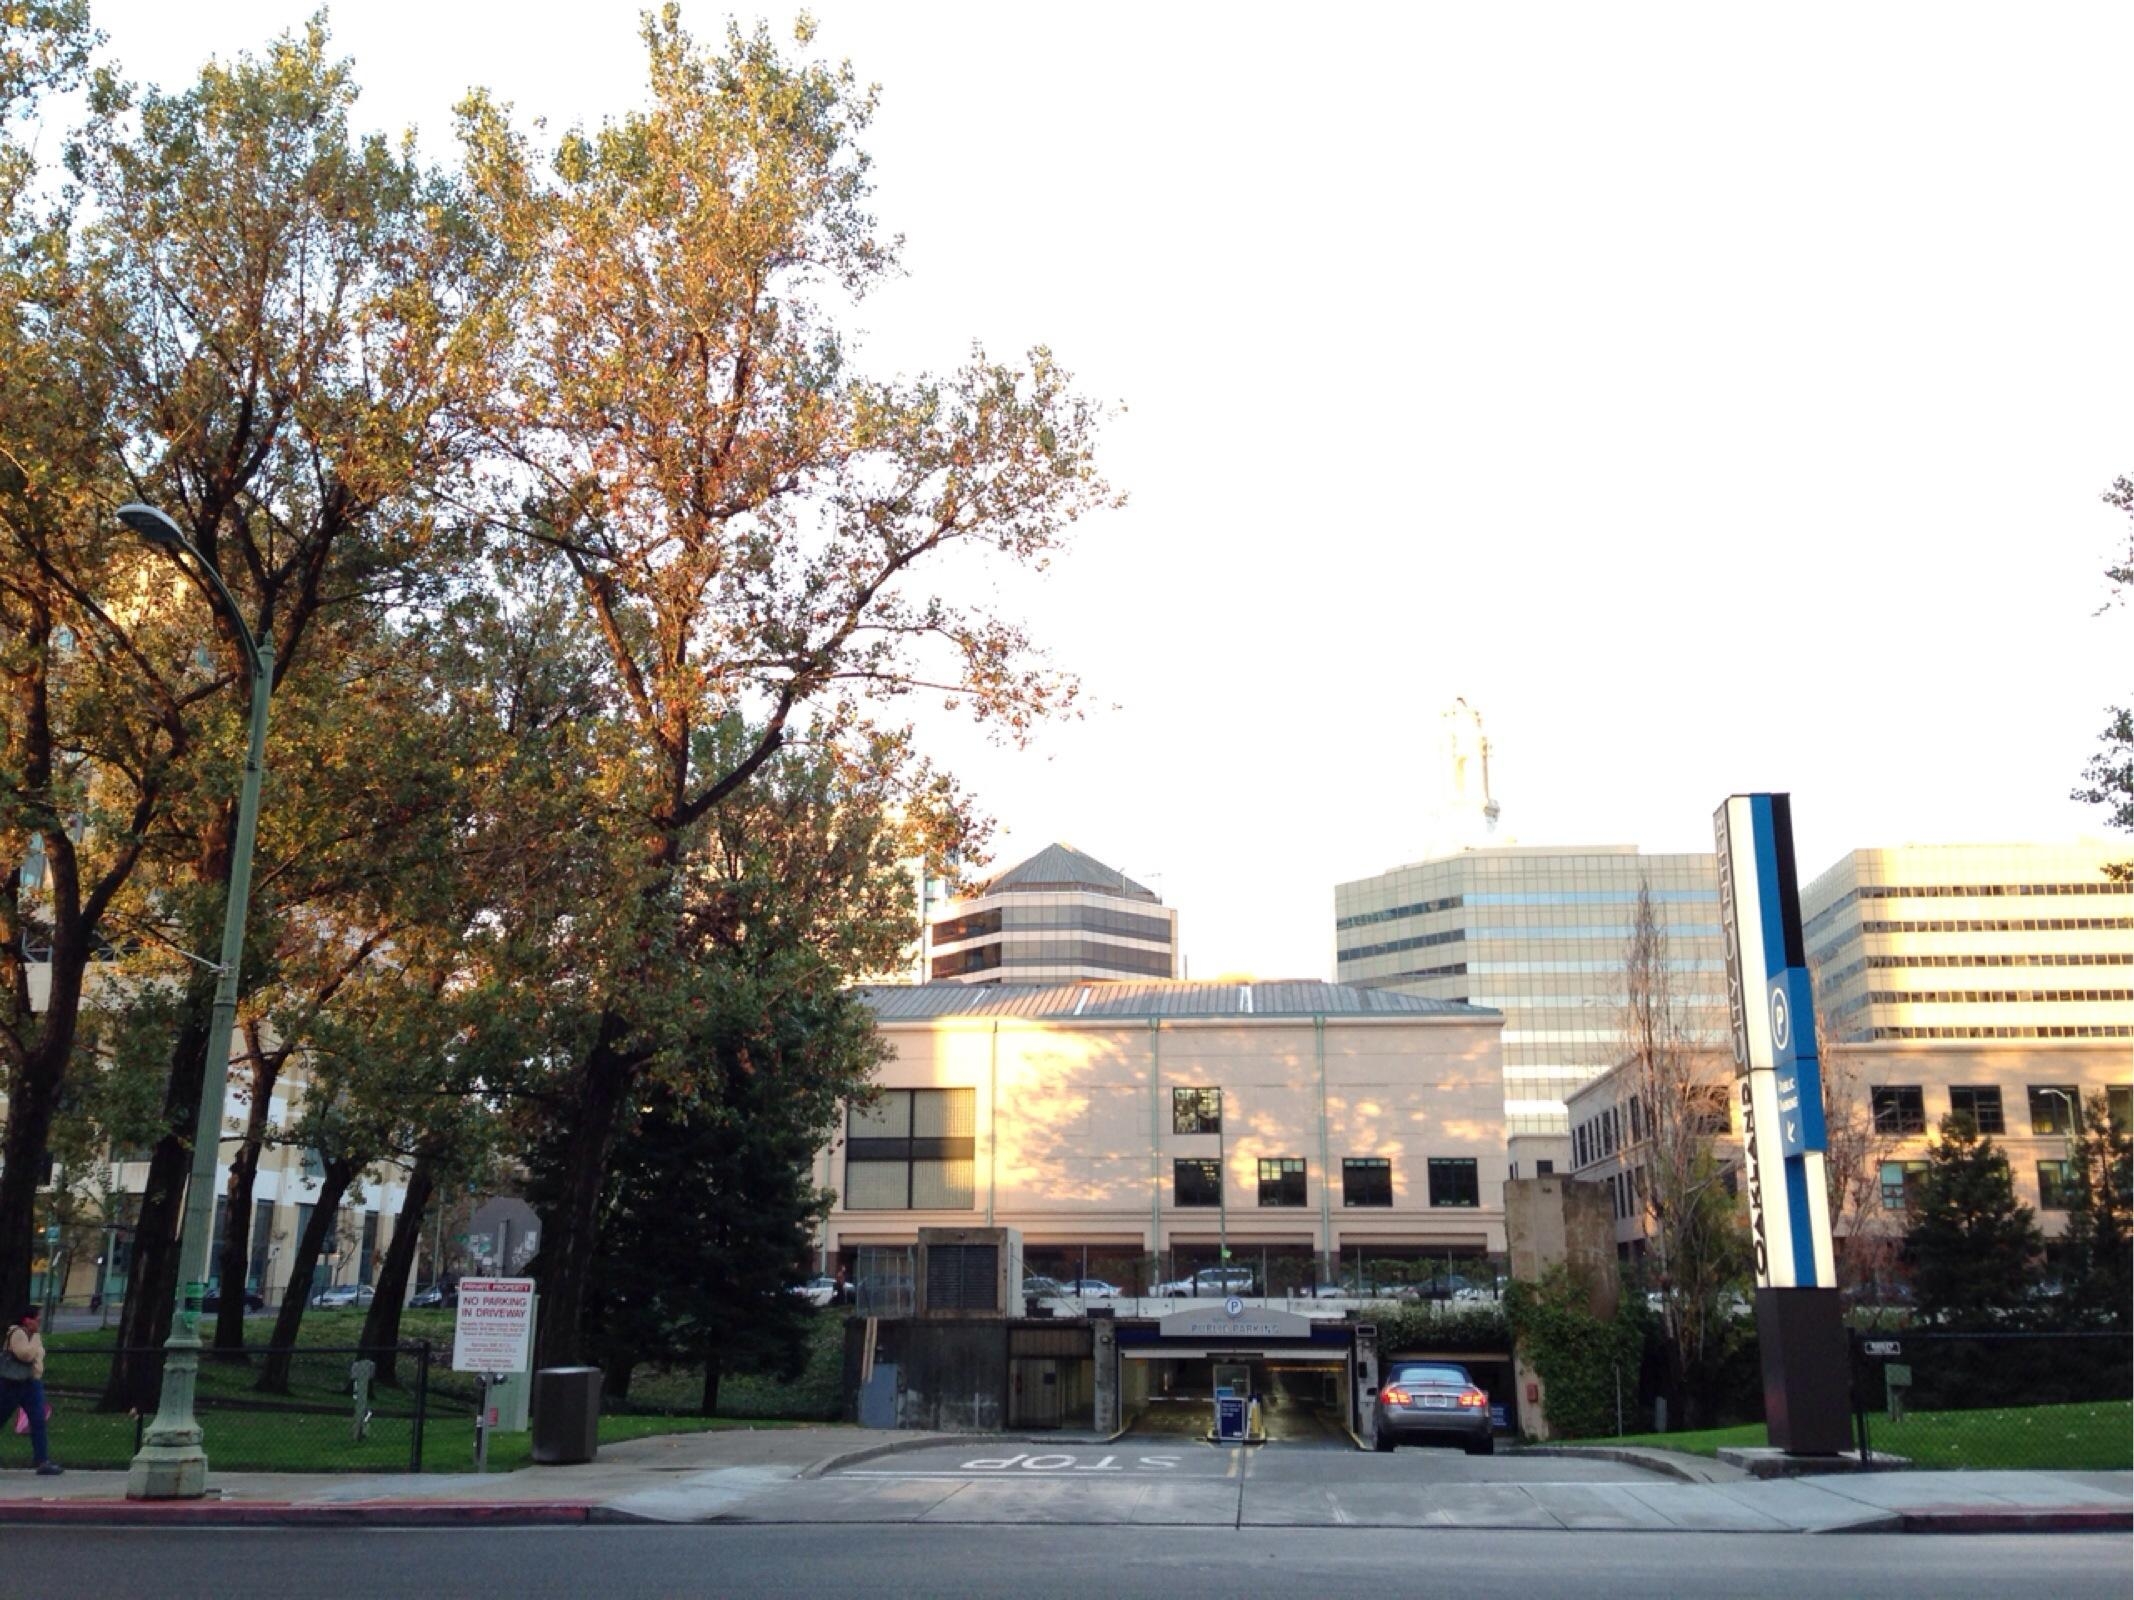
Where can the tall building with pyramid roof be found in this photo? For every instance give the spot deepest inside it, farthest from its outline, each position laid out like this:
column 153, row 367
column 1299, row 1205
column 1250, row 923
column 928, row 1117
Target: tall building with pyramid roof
column 1058, row 916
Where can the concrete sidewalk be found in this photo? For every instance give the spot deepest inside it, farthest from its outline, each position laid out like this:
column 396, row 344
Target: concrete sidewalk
column 800, row 1475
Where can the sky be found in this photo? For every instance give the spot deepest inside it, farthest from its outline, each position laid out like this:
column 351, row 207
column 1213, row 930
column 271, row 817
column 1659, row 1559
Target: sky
column 1717, row 398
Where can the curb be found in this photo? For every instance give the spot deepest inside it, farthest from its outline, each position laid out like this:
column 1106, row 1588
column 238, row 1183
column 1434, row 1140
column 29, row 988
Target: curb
column 283, row 1513
column 1664, row 1462
column 2100, row 1519
column 869, row 1452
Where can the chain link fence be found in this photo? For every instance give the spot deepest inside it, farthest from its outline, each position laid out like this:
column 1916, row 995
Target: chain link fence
column 313, row 1408
column 1983, row 1399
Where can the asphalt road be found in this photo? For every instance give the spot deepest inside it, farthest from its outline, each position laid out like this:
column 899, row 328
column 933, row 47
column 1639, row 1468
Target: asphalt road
column 1035, row 1562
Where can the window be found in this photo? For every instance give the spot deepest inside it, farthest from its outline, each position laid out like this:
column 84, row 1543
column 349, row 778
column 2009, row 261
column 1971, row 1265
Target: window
column 2054, row 1180
column 1366, row 1181
column 1281, row 1181
column 1543, row 1167
column 2119, row 1107
column 1637, row 1122
column 1982, row 1106
column 1196, row 1111
column 1196, row 1183
column 912, row 1150
column 1454, row 1181
column 1900, row 1182
column 1899, row 1109
column 1709, row 1102
column 2051, row 1107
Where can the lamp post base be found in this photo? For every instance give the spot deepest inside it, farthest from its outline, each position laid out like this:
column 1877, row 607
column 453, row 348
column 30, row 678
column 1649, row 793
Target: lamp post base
column 168, row 1472
column 172, row 1461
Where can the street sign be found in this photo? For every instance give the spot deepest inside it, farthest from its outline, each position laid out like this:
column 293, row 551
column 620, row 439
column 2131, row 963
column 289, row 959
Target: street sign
column 1230, row 1418
column 495, row 1325
column 1884, row 1347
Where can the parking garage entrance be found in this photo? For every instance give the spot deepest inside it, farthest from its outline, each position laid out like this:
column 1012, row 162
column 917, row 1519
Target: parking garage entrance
column 1303, row 1370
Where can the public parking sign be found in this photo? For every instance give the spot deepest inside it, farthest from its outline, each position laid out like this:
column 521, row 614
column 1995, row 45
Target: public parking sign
column 495, row 1325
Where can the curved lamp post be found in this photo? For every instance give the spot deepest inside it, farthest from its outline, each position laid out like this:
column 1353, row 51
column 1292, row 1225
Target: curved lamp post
column 172, row 1463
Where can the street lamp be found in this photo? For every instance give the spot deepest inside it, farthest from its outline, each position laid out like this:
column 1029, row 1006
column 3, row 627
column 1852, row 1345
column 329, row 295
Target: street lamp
column 171, row 1463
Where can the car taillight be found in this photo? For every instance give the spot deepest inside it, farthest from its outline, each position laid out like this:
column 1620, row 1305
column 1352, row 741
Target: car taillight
column 1394, row 1395
column 1473, row 1397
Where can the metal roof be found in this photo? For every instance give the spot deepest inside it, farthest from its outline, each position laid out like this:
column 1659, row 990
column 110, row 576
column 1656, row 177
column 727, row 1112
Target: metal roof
column 1061, row 867
column 1137, row 1001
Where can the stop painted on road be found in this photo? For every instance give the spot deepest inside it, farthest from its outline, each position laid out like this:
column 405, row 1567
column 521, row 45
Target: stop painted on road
column 1023, row 1461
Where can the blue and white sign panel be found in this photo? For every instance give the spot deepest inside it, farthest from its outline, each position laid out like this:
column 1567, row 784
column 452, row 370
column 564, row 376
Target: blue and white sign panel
column 1771, row 1007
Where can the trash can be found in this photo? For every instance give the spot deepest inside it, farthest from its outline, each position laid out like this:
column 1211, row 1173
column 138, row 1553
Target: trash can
column 566, row 1415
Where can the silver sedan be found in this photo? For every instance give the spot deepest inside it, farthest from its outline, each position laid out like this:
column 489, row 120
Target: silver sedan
column 1435, row 1401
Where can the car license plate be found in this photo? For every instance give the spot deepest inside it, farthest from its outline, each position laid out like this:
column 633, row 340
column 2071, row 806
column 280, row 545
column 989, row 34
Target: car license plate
column 1439, row 1401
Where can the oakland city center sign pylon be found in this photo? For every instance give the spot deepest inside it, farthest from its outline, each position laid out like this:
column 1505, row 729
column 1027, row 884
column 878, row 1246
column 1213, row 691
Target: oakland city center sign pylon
column 1771, row 1006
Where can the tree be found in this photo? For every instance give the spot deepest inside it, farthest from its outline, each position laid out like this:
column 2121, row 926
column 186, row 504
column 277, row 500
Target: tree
column 1973, row 1248
column 751, row 527
column 2098, row 1275
column 2108, row 780
column 1862, row 1244
column 292, row 318
column 88, row 740
column 1681, row 1090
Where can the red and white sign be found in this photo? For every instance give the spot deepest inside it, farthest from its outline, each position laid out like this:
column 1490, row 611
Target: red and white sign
column 495, row 1325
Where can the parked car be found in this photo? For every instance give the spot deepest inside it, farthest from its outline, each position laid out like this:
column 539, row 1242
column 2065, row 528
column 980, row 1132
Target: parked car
column 1435, row 1401
column 1444, row 1286
column 1036, row 1286
column 254, row 1300
column 344, row 1294
column 1210, row 1283
column 435, row 1295
column 818, row 1291
column 1093, row 1289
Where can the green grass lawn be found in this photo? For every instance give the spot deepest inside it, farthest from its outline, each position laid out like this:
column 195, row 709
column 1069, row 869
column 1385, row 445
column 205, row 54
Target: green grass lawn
column 2092, row 1435
column 240, row 1441
column 309, row 1428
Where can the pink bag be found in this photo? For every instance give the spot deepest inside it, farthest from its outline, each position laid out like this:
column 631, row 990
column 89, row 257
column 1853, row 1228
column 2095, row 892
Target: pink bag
column 22, row 1417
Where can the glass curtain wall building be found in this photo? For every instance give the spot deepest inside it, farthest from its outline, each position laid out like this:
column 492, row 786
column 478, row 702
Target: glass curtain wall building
column 1538, row 934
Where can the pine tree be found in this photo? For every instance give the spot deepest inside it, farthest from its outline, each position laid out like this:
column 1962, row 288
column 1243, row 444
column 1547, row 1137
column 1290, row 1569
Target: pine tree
column 2099, row 1276
column 1972, row 1247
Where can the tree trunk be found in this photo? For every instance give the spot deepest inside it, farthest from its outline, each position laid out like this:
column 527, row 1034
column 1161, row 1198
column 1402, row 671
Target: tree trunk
column 381, row 1327
column 236, row 1265
column 289, row 1321
column 571, row 1229
column 32, row 1099
column 708, row 1406
column 152, row 1283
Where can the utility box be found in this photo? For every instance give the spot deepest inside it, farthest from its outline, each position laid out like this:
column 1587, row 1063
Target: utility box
column 566, row 1415
column 969, row 1272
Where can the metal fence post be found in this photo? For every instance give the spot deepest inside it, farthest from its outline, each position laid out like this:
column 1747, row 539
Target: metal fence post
column 1857, row 1363
column 422, row 1404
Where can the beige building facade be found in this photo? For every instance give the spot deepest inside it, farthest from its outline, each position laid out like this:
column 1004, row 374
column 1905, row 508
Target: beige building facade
column 2027, row 943
column 1132, row 1131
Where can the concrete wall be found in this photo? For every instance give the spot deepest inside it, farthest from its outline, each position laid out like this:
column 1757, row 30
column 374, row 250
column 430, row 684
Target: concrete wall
column 1551, row 1220
column 952, row 1377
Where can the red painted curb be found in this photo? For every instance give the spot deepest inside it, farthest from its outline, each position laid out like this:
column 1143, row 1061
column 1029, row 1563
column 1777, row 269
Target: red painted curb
column 271, row 1513
column 2101, row 1519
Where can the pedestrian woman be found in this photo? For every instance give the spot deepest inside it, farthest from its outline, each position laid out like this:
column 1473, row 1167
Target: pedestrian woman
column 22, row 1384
